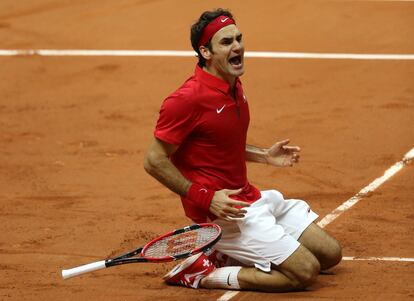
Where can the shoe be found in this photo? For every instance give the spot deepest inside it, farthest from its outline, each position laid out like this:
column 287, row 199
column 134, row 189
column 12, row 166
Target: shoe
column 190, row 271
column 219, row 259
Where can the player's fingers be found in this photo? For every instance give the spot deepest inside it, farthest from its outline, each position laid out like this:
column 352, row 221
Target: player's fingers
column 283, row 142
column 233, row 191
column 292, row 149
column 230, row 216
column 233, row 213
column 236, row 215
column 235, row 203
column 236, row 211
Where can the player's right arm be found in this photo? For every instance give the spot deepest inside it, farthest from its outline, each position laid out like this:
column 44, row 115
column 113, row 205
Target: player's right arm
column 158, row 164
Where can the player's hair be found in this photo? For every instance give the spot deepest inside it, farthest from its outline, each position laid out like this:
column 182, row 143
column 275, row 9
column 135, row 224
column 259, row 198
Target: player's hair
column 198, row 27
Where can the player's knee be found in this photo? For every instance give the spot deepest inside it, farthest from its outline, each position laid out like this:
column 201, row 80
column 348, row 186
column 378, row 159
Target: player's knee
column 333, row 256
column 336, row 255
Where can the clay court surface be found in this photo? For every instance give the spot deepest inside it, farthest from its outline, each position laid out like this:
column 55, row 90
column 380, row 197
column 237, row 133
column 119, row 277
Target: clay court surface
column 74, row 131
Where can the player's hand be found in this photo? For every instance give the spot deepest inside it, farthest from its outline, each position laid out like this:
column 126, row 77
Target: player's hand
column 224, row 207
column 281, row 155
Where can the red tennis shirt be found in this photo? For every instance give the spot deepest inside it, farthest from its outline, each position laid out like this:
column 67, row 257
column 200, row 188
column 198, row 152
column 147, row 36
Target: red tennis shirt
column 210, row 128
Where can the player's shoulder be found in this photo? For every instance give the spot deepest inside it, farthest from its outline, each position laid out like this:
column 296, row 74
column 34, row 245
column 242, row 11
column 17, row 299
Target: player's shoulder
column 188, row 93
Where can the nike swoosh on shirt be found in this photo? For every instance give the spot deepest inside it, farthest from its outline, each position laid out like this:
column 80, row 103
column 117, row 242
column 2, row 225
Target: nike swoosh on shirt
column 221, row 109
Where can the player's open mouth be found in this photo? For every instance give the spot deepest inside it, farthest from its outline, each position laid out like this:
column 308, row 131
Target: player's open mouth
column 236, row 61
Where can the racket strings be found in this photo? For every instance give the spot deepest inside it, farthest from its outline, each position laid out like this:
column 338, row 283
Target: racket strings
column 181, row 243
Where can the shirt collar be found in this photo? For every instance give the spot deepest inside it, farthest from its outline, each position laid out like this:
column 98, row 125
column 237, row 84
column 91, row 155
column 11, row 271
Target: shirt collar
column 213, row 81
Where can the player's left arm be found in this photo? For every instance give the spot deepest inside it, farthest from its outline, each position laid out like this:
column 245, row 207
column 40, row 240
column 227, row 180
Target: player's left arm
column 280, row 154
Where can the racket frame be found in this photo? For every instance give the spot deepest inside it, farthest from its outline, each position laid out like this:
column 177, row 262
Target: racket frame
column 203, row 248
column 127, row 257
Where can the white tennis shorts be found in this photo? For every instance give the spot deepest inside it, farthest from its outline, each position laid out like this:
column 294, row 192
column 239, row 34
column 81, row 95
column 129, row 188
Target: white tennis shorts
column 268, row 233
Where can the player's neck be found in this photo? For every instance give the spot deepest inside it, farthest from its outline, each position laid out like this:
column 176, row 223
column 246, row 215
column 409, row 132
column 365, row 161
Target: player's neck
column 230, row 79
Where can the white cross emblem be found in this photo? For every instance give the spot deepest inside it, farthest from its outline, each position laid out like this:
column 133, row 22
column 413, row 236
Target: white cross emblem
column 206, row 263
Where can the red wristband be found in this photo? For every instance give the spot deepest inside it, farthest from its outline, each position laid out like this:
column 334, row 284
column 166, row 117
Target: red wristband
column 201, row 196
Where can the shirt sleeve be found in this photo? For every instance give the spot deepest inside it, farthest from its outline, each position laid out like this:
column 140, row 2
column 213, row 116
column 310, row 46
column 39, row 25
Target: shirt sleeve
column 177, row 119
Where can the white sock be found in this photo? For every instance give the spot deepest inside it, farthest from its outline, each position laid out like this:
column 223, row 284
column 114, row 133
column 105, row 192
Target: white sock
column 225, row 277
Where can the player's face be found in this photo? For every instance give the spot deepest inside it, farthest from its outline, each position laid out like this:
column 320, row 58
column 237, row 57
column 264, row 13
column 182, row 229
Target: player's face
column 227, row 59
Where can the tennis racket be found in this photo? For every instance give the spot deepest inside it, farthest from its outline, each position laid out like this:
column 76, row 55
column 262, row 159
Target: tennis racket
column 174, row 245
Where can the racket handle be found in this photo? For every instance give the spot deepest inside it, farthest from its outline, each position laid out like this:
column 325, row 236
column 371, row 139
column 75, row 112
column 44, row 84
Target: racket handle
column 90, row 267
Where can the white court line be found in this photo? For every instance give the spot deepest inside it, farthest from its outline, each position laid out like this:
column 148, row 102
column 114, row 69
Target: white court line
column 347, row 205
column 228, row 295
column 182, row 53
column 378, row 258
